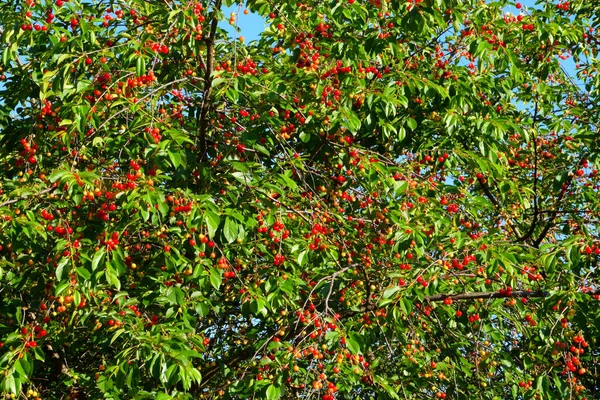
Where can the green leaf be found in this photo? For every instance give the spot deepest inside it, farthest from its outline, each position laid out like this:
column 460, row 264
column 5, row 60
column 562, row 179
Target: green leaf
column 175, row 295
column 389, row 389
column 98, row 257
column 140, row 66
column 212, row 222
column 111, row 276
column 388, row 295
column 303, row 258
column 38, row 354
column 406, row 305
column 560, row 179
column 352, row 121
column 116, row 335
column 230, row 230
column 104, row 383
column 273, row 393
column 58, row 175
column 215, row 278
column 354, row 343
column 543, row 384
column 175, row 158
column 10, row 384
column 202, row 309
column 77, row 198
column 289, row 182
column 389, row 292
column 61, row 267
column 61, row 288
column 6, row 56
column 19, row 369
column 26, row 366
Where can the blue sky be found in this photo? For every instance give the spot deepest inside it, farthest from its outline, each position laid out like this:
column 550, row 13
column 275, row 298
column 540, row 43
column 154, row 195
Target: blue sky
column 252, row 25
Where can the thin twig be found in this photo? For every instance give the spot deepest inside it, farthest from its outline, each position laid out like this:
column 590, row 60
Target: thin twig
column 47, row 190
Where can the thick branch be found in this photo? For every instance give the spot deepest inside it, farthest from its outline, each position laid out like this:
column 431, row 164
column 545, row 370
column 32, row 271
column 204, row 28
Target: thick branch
column 565, row 211
column 206, row 95
column 234, row 359
column 247, row 352
column 485, row 295
column 496, row 204
column 563, row 192
column 498, row 295
column 535, row 179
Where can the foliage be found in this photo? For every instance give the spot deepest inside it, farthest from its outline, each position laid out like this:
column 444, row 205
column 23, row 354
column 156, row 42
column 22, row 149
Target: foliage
column 376, row 199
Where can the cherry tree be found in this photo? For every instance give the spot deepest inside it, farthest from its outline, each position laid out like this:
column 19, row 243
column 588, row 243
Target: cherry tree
column 374, row 199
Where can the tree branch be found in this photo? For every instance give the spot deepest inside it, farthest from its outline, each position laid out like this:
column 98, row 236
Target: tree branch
column 485, row 295
column 245, row 353
column 550, row 222
column 47, row 190
column 536, row 213
column 206, row 95
column 496, row 204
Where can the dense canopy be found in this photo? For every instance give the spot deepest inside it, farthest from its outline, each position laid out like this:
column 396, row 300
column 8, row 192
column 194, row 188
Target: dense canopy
column 374, row 199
